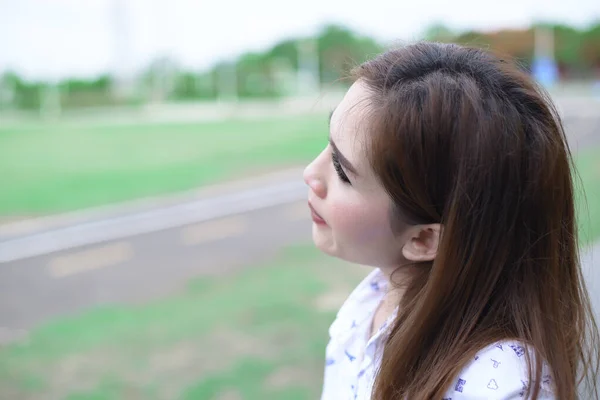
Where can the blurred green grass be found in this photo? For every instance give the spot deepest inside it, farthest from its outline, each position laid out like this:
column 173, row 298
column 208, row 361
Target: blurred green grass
column 587, row 189
column 257, row 334
column 57, row 167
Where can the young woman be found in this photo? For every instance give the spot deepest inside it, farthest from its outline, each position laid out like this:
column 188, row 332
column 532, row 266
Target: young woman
column 449, row 172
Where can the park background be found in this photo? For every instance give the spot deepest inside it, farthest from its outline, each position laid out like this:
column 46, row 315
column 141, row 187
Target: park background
column 154, row 234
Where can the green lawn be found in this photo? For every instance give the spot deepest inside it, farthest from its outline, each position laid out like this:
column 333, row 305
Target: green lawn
column 587, row 186
column 60, row 167
column 259, row 334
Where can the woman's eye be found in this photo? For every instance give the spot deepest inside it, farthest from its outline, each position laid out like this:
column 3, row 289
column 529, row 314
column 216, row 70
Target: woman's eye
column 338, row 169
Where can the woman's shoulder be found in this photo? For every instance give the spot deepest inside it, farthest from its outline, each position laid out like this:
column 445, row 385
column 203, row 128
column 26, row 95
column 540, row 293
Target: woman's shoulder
column 499, row 371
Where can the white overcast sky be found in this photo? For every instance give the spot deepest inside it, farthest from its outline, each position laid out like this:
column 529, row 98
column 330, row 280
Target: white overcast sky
column 46, row 39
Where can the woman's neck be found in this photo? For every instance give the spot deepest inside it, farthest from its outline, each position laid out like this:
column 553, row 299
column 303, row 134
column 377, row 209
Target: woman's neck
column 398, row 279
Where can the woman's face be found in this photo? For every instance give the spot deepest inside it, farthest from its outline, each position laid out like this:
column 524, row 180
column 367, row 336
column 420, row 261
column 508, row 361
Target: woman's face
column 352, row 209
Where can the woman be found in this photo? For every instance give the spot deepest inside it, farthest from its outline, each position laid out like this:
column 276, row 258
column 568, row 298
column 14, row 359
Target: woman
column 449, row 172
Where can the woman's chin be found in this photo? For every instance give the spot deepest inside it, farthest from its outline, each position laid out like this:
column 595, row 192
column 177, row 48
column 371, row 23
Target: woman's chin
column 323, row 241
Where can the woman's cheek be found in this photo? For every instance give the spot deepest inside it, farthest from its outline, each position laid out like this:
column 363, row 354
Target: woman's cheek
column 359, row 222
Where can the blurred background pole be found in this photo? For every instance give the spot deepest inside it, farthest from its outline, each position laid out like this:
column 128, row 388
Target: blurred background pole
column 308, row 78
column 544, row 66
column 162, row 71
column 123, row 80
column 544, row 41
column 50, row 101
column 227, row 82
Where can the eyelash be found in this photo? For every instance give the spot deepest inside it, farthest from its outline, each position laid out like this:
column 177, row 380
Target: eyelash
column 338, row 169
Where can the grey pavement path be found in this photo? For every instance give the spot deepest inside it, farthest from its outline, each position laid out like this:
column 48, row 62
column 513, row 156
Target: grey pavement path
column 141, row 267
column 25, row 228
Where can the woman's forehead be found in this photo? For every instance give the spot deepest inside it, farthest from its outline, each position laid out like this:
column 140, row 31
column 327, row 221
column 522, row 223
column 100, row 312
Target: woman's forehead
column 352, row 108
column 348, row 128
column 347, row 125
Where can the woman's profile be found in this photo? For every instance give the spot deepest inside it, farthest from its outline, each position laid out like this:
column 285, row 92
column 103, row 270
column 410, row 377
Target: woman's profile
column 448, row 171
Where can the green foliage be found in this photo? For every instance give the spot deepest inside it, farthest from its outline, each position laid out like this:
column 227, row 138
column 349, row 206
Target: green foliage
column 438, row 32
column 340, row 50
column 26, row 94
column 272, row 73
column 591, row 46
column 567, row 45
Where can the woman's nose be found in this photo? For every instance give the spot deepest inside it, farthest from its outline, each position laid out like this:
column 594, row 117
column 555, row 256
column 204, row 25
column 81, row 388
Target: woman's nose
column 314, row 180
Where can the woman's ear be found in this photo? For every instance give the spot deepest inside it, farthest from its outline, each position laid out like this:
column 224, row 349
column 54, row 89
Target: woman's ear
column 422, row 244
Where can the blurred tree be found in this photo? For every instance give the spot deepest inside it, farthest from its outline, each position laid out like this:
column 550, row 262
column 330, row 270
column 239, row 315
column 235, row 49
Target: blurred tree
column 286, row 50
column 340, row 50
column 86, row 93
column 185, row 86
column 568, row 50
column 254, row 75
column 439, row 32
column 26, row 95
column 8, row 89
column 205, row 85
column 274, row 72
column 590, row 47
column 471, row 38
column 567, row 45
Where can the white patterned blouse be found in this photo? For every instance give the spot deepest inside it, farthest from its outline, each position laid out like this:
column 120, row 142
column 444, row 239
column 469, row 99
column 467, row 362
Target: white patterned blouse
column 352, row 360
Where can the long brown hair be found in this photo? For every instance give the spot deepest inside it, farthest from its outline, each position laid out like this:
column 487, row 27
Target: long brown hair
column 460, row 137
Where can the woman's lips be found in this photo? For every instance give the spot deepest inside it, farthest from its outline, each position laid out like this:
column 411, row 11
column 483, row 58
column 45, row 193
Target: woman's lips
column 317, row 219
